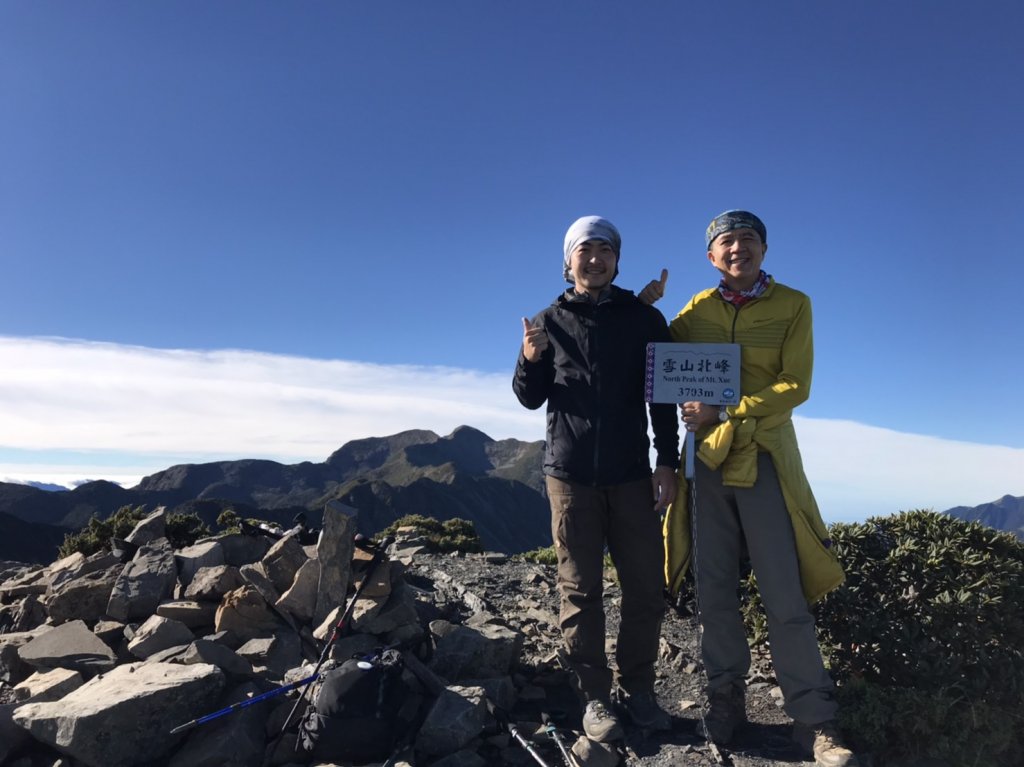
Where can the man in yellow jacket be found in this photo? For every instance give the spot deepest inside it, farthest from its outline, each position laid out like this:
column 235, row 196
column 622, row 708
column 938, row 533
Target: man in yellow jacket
column 752, row 495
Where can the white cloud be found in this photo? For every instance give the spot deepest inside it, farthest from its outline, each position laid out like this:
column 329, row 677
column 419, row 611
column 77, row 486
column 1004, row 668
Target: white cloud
column 75, row 409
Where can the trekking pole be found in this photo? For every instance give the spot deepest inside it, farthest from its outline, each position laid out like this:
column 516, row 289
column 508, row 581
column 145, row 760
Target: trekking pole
column 243, row 704
column 502, row 718
column 379, row 552
column 690, row 474
column 556, row 736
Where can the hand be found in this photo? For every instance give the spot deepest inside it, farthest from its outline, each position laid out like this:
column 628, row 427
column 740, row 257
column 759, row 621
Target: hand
column 664, row 483
column 698, row 414
column 654, row 289
column 535, row 341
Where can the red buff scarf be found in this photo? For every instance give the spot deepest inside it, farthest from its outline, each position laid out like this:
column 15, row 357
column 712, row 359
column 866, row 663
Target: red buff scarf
column 739, row 297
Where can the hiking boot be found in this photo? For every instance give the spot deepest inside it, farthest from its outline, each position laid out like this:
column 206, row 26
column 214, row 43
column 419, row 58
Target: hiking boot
column 727, row 710
column 643, row 710
column 599, row 723
column 825, row 744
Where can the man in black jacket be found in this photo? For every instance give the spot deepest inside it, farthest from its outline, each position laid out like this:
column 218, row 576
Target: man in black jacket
column 585, row 355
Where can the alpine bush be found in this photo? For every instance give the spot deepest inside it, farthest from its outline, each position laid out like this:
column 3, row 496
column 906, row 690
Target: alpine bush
column 451, row 535
column 925, row 639
column 185, row 529
column 96, row 534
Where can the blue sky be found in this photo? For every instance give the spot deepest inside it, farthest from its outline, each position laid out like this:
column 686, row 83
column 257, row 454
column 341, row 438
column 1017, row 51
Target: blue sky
column 263, row 229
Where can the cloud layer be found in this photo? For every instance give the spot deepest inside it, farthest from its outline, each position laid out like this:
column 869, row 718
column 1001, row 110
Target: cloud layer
column 76, row 409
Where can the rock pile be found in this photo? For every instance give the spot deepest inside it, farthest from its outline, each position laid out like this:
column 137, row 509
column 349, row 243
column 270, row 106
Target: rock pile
column 101, row 657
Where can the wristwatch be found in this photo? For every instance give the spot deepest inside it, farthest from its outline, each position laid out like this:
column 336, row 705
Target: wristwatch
column 723, row 415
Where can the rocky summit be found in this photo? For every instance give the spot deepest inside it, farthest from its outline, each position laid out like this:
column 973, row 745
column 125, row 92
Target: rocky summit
column 119, row 658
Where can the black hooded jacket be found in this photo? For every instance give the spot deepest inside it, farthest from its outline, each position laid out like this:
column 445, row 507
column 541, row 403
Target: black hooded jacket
column 592, row 378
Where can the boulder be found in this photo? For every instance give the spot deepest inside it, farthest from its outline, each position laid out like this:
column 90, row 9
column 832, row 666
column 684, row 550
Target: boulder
column 84, row 597
column 468, row 653
column 212, row 583
column 158, row 634
column 150, row 528
column 334, row 551
column 457, row 716
column 70, row 646
column 144, row 583
column 111, row 720
column 245, row 613
column 299, row 600
column 237, row 740
column 192, row 559
column 45, row 686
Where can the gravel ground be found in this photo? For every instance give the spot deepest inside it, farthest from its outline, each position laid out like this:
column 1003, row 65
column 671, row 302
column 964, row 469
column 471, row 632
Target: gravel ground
column 523, row 596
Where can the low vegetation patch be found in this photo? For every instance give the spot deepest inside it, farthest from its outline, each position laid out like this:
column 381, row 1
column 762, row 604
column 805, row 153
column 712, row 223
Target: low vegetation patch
column 182, row 530
column 451, row 535
column 926, row 638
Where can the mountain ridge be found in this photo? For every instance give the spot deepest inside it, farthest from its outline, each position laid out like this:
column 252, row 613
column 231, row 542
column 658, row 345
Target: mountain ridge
column 497, row 485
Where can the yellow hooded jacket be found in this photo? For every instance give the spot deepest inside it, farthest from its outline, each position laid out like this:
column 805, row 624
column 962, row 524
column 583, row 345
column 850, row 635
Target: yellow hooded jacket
column 777, row 353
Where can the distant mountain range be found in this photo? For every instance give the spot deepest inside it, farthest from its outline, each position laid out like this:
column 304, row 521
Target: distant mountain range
column 1005, row 514
column 496, row 484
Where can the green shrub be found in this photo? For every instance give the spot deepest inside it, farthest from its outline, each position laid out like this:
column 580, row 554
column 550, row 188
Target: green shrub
column 96, row 535
column 546, row 555
column 451, row 535
column 185, row 529
column 229, row 521
column 926, row 638
column 543, row 556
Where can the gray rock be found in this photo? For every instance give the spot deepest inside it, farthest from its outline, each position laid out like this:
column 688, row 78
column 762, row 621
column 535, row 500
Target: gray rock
column 282, row 562
column 224, row 658
column 277, row 654
column 45, row 686
column 12, row 736
column 191, row 559
column 24, row 615
column 236, row 741
column 111, row 720
column 398, row 610
column 12, row 668
column 468, row 653
column 334, row 551
column 70, row 646
column 256, row 576
column 245, row 613
column 242, row 549
column 457, row 716
column 211, row 583
column 150, row 528
column 110, row 632
column 299, row 601
column 84, row 597
column 193, row 614
column 144, row 583
column 158, row 634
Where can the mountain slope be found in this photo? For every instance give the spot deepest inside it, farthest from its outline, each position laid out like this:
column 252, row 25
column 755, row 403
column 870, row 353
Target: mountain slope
column 497, row 485
column 1005, row 514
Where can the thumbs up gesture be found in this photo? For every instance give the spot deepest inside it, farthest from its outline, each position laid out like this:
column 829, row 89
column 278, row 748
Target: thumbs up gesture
column 535, row 341
column 654, row 289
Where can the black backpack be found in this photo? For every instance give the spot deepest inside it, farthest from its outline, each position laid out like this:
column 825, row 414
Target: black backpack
column 358, row 713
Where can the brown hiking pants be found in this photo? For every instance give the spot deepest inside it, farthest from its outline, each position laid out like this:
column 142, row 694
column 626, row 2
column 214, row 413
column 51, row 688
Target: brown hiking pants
column 583, row 520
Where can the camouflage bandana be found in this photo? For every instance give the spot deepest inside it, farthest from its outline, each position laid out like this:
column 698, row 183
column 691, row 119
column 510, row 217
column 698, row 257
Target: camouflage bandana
column 739, row 297
column 734, row 219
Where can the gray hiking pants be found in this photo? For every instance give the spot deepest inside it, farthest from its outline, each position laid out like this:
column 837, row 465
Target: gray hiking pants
column 725, row 517
column 583, row 520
